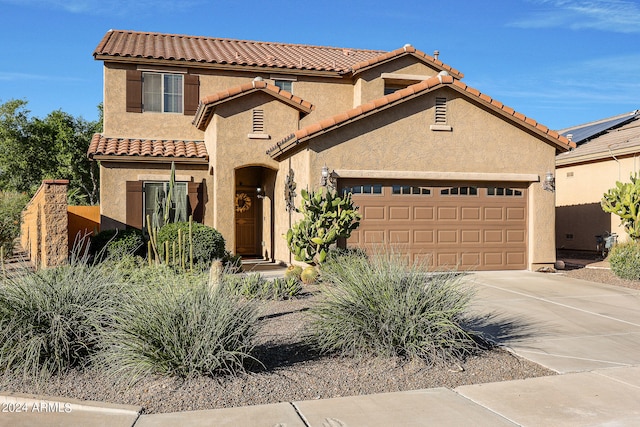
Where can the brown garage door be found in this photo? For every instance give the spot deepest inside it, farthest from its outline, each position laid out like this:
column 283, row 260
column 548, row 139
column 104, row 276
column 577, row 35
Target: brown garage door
column 449, row 225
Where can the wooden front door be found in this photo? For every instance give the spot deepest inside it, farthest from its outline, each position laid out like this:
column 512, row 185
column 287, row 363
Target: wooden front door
column 248, row 210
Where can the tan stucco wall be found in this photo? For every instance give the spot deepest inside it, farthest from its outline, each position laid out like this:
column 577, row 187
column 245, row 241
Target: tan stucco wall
column 480, row 142
column 113, row 195
column 579, row 190
column 369, row 85
column 233, row 149
column 119, row 123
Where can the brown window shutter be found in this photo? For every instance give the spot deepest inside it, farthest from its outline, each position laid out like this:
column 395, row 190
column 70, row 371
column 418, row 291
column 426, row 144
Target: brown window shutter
column 191, row 94
column 134, row 204
column 196, row 200
column 134, row 91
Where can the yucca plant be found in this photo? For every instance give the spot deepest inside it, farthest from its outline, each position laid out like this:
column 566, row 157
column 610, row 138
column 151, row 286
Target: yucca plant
column 383, row 306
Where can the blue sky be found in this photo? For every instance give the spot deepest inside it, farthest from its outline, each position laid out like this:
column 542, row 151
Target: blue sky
column 561, row 62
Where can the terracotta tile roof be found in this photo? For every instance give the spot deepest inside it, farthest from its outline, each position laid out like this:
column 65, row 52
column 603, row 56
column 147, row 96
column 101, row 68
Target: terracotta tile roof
column 146, row 148
column 623, row 140
column 131, row 44
column 406, row 50
column 407, row 93
column 207, row 104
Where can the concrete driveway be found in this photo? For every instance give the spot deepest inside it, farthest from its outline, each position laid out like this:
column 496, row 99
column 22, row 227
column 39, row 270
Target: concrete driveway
column 564, row 324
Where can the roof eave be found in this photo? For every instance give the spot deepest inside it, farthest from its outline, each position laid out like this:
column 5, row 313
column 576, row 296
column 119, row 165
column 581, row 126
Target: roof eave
column 149, row 159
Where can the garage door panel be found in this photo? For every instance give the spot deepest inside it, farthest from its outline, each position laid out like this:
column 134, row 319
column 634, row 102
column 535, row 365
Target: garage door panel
column 515, row 236
column 516, row 258
column 399, row 213
column 423, row 236
column 399, row 236
column 447, row 213
column 449, row 259
column 470, row 260
column 423, row 213
column 470, row 236
column 515, row 214
column 446, row 229
column 493, row 236
column 493, row 214
column 470, row 214
column 494, row 259
column 373, row 213
column 373, row 236
column 447, row 236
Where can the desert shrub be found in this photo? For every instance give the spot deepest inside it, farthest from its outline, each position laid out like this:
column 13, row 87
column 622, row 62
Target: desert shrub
column 117, row 244
column 11, row 206
column 255, row 286
column 385, row 307
column 625, row 260
column 179, row 329
column 208, row 243
column 51, row 320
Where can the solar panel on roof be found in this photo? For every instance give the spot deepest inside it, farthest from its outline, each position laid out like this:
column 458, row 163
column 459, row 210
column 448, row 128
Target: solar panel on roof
column 580, row 134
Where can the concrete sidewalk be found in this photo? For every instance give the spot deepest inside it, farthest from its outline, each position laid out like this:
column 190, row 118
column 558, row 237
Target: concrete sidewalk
column 588, row 332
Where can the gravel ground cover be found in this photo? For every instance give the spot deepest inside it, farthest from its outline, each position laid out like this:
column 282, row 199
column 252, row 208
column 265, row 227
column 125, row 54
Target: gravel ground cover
column 294, row 372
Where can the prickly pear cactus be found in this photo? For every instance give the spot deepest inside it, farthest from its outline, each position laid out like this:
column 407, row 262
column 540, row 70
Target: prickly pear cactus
column 624, row 200
column 326, row 218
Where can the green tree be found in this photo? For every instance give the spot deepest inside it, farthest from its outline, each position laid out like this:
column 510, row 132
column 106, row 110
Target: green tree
column 624, row 200
column 33, row 149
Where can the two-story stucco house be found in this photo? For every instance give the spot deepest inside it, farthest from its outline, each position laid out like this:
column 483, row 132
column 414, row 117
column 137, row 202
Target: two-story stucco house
column 437, row 168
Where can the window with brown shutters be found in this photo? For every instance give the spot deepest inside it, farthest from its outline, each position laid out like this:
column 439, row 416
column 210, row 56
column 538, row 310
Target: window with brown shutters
column 136, row 207
column 134, row 91
column 182, row 89
column 191, row 94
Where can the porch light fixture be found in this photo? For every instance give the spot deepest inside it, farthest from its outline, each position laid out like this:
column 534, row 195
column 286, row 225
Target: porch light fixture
column 259, row 194
column 549, row 183
column 326, row 177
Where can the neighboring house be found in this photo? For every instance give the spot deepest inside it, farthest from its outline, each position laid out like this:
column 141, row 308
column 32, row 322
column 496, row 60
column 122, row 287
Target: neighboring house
column 442, row 171
column 607, row 151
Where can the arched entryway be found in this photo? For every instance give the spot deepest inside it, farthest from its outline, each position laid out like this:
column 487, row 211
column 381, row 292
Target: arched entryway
column 253, row 211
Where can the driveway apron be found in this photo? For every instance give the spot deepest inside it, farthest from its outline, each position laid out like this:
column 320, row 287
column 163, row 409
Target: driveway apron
column 564, row 324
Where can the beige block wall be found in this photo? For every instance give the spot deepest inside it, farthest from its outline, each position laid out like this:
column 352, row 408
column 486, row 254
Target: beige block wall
column 480, row 142
column 113, row 195
column 579, row 190
column 44, row 225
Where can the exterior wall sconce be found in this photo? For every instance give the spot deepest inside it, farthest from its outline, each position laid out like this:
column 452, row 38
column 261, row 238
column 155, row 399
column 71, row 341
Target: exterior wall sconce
column 327, row 178
column 259, row 193
column 549, row 183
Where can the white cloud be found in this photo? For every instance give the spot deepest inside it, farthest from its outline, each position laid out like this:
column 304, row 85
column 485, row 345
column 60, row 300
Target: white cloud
column 622, row 16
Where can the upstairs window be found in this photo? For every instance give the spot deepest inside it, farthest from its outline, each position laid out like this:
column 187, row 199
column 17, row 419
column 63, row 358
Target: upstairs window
column 162, row 93
column 284, row 85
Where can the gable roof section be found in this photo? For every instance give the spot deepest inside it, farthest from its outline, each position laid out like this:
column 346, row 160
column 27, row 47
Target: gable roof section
column 207, row 50
column 308, row 132
column 403, row 51
column 207, row 104
column 620, row 141
column 582, row 133
column 130, row 149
